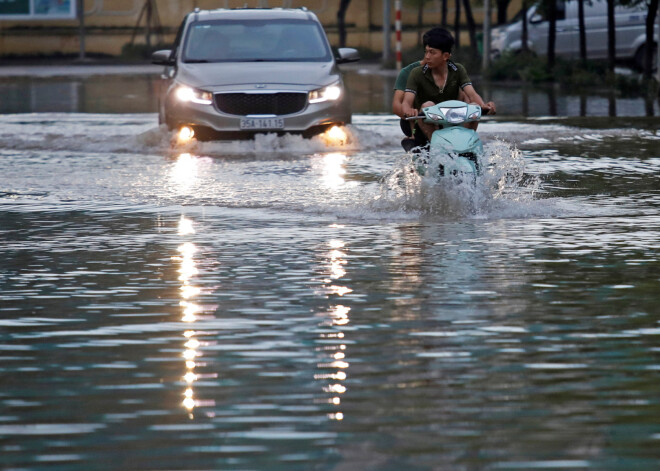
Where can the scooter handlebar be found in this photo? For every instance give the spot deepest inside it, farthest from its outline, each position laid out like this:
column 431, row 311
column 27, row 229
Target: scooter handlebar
column 421, row 115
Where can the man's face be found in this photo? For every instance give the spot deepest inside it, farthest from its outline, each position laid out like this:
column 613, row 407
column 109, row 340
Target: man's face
column 435, row 57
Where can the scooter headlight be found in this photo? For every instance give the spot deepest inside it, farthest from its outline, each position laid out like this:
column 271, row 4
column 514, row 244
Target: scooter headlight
column 329, row 93
column 188, row 94
column 455, row 115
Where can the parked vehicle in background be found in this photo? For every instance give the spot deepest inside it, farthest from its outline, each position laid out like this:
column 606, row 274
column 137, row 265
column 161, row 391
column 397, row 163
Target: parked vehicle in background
column 629, row 24
column 236, row 72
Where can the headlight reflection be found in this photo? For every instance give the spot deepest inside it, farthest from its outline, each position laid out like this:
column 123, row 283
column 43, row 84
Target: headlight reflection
column 333, row 371
column 192, row 345
column 184, row 171
column 333, row 170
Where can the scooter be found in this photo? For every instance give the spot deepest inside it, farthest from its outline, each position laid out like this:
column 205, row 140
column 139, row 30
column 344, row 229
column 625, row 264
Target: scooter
column 454, row 150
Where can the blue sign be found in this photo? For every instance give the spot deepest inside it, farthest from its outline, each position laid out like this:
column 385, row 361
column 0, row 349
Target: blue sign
column 37, row 9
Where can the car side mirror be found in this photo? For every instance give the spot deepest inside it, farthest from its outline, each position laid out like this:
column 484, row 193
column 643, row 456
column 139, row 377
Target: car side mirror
column 347, row 54
column 162, row 57
column 535, row 19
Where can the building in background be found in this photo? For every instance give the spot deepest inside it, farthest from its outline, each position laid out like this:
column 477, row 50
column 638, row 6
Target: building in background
column 54, row 27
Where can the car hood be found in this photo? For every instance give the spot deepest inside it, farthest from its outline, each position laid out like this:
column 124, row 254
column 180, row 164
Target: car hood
column 262, row 75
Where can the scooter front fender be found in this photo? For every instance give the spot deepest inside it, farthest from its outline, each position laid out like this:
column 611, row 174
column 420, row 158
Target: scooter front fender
column 456, row 150
column 455, row 140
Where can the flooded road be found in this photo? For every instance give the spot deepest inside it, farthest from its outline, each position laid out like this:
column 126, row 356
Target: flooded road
column 283, row 304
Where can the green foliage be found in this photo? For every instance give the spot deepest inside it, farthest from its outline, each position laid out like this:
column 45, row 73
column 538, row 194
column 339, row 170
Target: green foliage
column 518, row 66
column 580, row 75
column 633, row 85
column 571, row 73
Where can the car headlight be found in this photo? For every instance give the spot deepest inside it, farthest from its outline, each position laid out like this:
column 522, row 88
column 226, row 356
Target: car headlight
column 188, row 94
column 329, row 93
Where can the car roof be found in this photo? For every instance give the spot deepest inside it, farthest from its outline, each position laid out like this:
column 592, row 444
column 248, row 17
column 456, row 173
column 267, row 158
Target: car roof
column 253, row 13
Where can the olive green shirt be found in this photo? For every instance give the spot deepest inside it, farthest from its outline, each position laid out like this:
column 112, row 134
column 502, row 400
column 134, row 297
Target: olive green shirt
column 421, row 83
column 402, row 78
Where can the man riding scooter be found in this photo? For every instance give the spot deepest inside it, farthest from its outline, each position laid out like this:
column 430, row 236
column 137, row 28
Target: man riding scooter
column 438, row 80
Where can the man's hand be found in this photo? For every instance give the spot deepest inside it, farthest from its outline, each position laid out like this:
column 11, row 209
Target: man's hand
column 490, row 106
column 409, row 112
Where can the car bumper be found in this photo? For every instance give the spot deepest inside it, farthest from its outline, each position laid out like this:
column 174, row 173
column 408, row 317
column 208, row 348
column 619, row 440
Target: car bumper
column 314, row 116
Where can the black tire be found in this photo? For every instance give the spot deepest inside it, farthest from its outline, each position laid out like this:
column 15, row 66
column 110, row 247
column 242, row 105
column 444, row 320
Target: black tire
column 639, row 58
column 163, row 118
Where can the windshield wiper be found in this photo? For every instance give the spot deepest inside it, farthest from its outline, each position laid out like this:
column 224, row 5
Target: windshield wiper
column 195, row 61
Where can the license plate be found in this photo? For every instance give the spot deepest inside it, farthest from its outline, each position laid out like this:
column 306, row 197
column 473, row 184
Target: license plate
column 262, row 123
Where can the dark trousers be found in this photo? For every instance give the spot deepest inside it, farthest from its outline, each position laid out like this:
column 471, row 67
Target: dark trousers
column 416, row 133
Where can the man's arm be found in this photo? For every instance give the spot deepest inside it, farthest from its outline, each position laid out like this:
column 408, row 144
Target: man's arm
column 400, row 88
column 407, row 105
column 473, row 97
column 397, row 103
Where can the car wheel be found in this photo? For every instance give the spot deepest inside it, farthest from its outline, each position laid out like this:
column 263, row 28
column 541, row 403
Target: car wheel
column 639, row 58
column 163, row 119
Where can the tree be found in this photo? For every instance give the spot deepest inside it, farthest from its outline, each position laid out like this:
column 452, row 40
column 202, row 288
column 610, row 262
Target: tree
column 457, row 24
column 472, row 28
column 611, row 36
column 583, row 33
column 419, row 4
column 502, row 6
column 550, row 7
column 525, row 31
column 341, row 21
column 443, row 19
column 650, row 21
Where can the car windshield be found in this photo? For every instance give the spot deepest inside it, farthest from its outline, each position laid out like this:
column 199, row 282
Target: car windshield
column 255, row 40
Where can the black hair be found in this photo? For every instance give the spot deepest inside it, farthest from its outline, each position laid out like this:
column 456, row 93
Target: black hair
column 439, row 38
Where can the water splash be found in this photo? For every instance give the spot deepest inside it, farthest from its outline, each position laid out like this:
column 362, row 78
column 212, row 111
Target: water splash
column 268, row 145
column 139, row 134
column 502, row 185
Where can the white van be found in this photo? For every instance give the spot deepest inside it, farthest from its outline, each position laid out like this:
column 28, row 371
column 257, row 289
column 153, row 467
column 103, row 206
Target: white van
column 629, row 27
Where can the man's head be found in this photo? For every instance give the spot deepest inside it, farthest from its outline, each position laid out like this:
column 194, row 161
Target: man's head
column 438, row 43
column 439, row 38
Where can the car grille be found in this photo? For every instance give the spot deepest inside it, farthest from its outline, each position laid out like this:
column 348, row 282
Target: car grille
column 243, row 104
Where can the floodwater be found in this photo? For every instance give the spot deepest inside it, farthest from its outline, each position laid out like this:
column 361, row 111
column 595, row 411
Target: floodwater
column 282, row 304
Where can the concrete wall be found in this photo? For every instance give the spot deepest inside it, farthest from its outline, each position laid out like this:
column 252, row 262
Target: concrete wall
column 111, row 24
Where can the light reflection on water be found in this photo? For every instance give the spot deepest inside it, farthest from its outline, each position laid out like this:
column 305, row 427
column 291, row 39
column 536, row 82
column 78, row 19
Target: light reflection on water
column 224, row 306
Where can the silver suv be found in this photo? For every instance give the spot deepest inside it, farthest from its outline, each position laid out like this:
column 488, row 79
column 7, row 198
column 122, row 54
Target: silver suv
column 630, row 31
column 234, row 73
